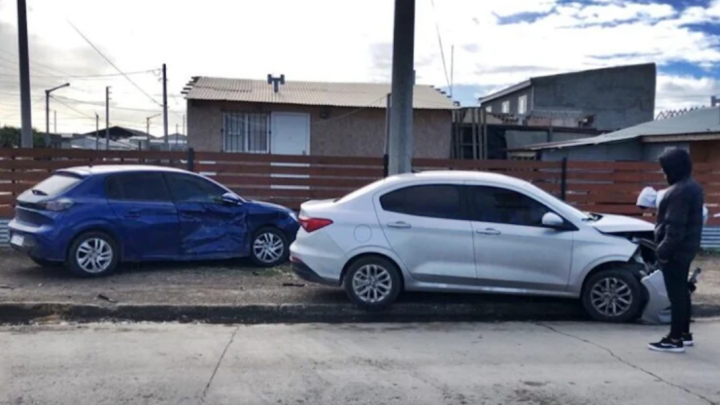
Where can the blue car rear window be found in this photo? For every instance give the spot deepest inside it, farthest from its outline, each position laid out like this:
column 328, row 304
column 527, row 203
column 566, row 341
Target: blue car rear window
column 56, row 184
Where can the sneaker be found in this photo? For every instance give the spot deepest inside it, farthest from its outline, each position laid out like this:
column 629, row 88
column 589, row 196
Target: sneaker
column 687, row 339
column 667, row 345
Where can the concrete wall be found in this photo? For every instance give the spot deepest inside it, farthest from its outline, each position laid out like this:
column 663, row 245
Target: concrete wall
column 513, row 98
column 619, row 97
column 345, row 131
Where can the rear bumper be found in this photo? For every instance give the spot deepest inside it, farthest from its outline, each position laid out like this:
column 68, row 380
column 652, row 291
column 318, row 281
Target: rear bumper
column 38, row 242
column 303, row 271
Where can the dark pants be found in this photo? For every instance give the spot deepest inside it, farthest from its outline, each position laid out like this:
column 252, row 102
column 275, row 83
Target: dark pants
column 675, row 274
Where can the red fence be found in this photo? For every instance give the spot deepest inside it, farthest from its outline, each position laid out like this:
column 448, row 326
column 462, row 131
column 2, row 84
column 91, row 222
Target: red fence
column 609, row 187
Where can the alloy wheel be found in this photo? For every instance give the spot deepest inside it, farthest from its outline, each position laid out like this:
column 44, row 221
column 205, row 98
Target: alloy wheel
column 268, row 247
column 94, row 255
column 372, row 283
column 611, row 297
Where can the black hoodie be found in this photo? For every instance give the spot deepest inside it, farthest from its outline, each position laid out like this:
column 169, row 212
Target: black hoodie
column 680, row 214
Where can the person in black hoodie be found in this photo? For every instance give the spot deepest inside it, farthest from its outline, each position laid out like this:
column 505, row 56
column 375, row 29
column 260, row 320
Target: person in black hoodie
column 677, row 234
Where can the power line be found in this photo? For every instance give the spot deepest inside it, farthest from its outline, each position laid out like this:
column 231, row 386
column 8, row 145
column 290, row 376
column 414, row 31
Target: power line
column 442, row 49
column 97, row 76
column 72, row 108
column 111, row 63
column 102, row 103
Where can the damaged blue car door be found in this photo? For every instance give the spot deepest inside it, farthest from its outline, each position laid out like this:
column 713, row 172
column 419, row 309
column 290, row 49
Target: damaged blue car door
column 211, row 226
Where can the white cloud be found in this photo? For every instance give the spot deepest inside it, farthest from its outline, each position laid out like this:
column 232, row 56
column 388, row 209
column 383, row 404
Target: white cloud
column 346, row 40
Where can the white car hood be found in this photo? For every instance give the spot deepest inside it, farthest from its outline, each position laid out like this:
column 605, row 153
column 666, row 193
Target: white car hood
column 619, row 223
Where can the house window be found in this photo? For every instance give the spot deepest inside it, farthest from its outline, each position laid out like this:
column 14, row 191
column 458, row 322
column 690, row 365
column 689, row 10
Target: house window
column 488, row 108
column 506, row 107
column 522, row 104
column 246, row 132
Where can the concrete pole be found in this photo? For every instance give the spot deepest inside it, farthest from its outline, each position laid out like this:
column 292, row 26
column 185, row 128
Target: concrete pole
column 400, row 145
column 26, row 139
column 107, row 118
column 165, row 107
column 97, row 131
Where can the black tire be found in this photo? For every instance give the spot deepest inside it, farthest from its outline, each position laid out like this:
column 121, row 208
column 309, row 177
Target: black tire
column 365, row 264
column 623, row 278
column 46, row 263
column 267, row 261
column 72, row 263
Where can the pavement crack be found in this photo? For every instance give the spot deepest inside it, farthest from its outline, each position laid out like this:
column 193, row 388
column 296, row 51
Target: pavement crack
column 217, row 366
column 627, row 363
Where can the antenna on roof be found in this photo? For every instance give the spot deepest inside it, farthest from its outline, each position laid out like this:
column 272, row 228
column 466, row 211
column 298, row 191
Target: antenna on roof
column 276, row 81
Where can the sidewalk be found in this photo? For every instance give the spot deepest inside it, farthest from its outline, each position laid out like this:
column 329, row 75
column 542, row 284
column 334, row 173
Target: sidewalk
column 235, row 291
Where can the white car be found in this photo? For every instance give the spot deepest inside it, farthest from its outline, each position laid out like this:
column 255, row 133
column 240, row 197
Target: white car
column 470, row 232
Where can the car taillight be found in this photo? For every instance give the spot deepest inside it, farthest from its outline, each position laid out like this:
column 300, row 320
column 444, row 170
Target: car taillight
column 313, row 224
column 57, row 205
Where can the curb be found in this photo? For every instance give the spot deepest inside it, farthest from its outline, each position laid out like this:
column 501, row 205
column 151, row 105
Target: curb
column 29, row 312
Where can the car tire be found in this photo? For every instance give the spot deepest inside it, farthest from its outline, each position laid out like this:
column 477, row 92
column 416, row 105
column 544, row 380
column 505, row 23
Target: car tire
column 93, row 254
column 614, row 295
column 385, row 279
column 269, row 247
column 46, row 263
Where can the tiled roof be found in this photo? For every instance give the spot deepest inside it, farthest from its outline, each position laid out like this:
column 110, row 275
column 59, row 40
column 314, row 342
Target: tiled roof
column 354, row 95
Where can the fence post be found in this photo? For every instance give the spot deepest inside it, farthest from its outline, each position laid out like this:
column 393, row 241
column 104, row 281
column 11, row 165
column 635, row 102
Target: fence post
column 386, row 162
column 191, row 159
column 563, row 179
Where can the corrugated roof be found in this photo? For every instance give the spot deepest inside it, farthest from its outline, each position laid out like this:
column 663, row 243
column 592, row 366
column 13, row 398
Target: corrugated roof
column 367, row 95
column 700, row 121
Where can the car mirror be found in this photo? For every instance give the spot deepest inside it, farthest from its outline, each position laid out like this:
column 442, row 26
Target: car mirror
column 553, row 220
column 230, row 199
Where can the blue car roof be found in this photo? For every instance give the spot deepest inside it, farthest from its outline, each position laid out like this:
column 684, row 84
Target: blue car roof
column 111, row 169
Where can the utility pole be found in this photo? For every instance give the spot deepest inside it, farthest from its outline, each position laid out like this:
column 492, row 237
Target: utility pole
column 165, row 107
column 107, row 118
column 47, row 112
column 26, row 139
column 97, row 131
column 147, row 126
column 400, row 145
column 55, row 121
column 183, row 132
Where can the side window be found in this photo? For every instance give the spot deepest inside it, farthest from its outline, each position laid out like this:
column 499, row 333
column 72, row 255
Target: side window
column 502, row 206
column 186, row 188
column 148, row 187
column 435, row 201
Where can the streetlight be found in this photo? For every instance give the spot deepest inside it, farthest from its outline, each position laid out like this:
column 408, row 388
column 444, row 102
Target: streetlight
column 147, row 123
column 47, row 112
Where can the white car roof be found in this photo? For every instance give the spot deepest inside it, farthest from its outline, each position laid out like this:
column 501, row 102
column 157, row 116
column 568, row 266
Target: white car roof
column 460, row 175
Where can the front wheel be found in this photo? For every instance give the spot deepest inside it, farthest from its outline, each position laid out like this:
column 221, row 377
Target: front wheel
column 269, row 247
column 613, row 295
column 372, row 283
column 93, row 254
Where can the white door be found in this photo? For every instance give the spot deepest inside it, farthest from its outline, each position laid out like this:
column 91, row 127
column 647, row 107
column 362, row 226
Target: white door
column 427, row 229
column 289, row 135
column 512, row 248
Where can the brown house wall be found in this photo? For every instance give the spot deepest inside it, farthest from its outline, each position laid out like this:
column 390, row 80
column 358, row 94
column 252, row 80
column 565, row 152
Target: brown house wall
column 345, row 131
column 705, row 151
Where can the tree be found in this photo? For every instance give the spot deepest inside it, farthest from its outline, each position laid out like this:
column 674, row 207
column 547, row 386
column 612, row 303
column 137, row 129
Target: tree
column 10, row 138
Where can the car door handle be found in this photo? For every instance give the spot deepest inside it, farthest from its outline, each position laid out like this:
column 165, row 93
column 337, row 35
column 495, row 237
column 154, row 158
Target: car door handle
column 399, row 225
column 488, row 231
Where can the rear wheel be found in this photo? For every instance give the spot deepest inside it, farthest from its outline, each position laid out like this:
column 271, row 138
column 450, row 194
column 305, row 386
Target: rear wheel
column 613, row 295
column 93, row 254
column 372, row 282
column 269, row 247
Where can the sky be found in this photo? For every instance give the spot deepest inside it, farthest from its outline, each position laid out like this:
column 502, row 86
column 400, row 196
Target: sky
column 486, row 46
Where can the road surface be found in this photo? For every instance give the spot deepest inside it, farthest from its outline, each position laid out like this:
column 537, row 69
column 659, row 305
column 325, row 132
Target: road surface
column 463, row 364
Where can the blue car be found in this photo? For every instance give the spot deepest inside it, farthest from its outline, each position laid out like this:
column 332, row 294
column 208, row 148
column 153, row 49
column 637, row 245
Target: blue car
column 92, row 218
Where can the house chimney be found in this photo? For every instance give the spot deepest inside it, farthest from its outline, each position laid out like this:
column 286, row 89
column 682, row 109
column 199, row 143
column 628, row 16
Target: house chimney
column 276, row 81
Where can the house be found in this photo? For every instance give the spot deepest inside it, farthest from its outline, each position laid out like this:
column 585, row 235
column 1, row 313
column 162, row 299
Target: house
column 118, row 133
column 176, row 142
column 91, row 142
column 605, row 99
column 472, row 125
column 697, row 131
column 308, row 118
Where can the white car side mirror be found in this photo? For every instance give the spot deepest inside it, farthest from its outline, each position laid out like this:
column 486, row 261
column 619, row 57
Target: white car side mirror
column 552, row 220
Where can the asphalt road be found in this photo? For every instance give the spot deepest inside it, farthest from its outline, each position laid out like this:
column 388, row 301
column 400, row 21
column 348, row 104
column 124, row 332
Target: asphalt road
column 463, row 364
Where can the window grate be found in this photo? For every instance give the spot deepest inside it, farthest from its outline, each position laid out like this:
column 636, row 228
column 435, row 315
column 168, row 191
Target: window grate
column 246, row 132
